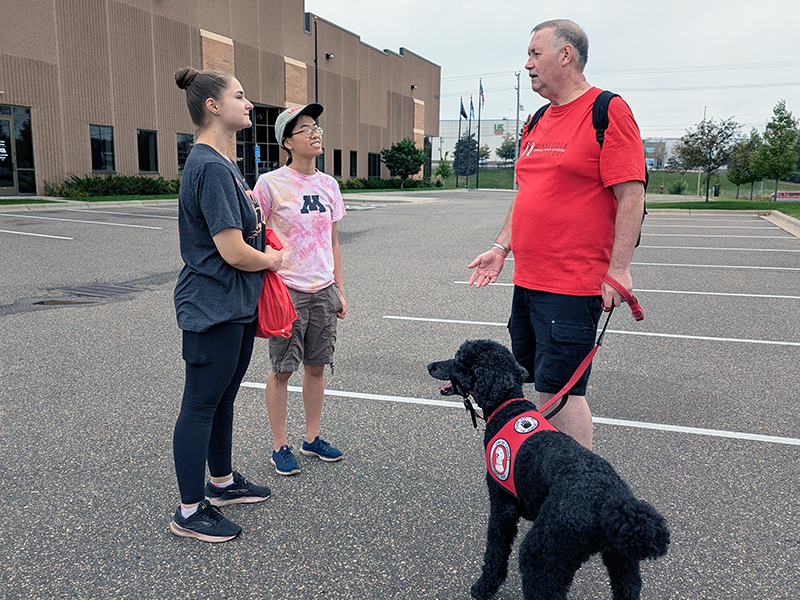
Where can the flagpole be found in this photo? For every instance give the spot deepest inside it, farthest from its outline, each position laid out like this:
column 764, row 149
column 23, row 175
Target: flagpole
column 478, row 158
column 457, row 141
column 469, row 139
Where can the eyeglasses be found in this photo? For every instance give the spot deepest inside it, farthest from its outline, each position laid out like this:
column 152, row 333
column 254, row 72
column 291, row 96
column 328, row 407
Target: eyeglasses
column 307, row 131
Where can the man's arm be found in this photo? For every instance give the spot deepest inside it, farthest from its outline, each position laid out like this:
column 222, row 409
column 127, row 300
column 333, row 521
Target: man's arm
column 630, row 207
column 489, row 264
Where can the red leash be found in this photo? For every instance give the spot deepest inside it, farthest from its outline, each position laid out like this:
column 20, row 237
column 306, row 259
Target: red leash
column 638, row 314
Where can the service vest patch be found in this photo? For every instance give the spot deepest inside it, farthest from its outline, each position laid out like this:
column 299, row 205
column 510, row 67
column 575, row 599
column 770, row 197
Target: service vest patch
column 502, row 448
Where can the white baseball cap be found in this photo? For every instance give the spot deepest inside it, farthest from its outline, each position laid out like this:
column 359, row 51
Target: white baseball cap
column 289, row 116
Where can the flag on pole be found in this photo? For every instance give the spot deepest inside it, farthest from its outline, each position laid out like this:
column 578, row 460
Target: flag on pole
column 463, row 112
column 483, row 98
column 471, row 109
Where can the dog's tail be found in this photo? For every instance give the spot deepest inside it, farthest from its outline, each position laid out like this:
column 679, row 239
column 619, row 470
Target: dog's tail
column 634, row 528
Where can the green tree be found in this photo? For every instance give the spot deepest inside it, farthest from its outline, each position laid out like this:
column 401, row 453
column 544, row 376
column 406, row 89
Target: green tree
column 506, row 151
column 740, row 165
column 465, row 157
column 777, row 156
column 708, row 146
column 403, row 159
column 443, row 170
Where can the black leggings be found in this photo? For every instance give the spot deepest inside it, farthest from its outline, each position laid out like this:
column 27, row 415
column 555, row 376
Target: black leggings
column 216, row 361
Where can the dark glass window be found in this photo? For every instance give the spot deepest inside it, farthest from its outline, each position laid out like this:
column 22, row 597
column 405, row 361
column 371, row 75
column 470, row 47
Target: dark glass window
column 373, row 164
column 353, row 163
column 337, row 163
column 185, row 143
column 148, row 151
column 321, row 161
column 102, row 141
column 23, row 143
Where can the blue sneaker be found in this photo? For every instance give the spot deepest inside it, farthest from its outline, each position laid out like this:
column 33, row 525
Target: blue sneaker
column 321, row 449
column 284, row 462
column 239, row 491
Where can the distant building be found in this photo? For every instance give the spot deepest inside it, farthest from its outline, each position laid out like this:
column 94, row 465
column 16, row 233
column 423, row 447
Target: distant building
column 87, row 87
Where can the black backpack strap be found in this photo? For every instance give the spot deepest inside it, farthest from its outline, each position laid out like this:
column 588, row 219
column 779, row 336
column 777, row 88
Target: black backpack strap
column 600, row 114
column 536, row 116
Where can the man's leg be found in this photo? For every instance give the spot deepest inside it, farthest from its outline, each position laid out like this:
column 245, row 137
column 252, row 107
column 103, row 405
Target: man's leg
column 575, row 419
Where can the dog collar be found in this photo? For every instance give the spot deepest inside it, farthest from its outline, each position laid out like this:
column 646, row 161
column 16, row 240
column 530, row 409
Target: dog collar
column 502, row 406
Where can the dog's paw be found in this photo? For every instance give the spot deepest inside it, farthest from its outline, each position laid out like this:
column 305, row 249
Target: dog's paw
column 483, row 590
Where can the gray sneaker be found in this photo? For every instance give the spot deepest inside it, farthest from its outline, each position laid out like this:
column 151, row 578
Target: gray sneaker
column 239, row 491
column 207, row 524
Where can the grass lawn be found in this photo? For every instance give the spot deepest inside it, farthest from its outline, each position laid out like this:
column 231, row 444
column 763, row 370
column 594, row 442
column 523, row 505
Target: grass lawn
column 7, row 201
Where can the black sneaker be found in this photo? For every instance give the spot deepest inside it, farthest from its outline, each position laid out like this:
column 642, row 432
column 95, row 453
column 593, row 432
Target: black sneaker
column 207, row 524
column 239, row 491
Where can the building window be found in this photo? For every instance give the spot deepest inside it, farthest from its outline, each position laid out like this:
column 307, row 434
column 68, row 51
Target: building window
column 353, row 163
column 185, row 143
column 102, row 142
column 373, row 164
column 148, row 151
column 337, row 163
column 321, row 161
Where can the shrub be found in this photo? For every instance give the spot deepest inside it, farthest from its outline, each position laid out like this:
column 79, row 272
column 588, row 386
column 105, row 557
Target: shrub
column 677, row 187
column 112, row 185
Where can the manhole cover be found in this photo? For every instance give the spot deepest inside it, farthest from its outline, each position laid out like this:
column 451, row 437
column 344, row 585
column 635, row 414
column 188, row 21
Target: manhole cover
column 100, row 291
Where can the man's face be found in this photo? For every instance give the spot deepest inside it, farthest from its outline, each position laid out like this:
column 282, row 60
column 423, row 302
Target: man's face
column 543, row 62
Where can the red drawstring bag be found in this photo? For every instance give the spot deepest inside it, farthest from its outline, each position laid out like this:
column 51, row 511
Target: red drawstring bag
column 275, row 309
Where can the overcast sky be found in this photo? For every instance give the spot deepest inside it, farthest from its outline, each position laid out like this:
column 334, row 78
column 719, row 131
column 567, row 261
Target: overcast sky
column 671, row 60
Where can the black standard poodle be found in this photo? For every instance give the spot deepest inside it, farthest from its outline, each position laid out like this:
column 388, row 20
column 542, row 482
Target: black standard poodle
column 577, row 502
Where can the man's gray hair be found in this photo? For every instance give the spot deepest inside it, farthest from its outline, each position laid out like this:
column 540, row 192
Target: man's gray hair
column 568, row 32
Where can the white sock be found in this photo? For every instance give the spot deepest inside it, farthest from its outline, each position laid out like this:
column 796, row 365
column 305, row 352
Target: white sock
column 225, row 484
column 188, row 512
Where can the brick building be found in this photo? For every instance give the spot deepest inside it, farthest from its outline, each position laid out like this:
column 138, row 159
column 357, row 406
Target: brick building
column 86, row 86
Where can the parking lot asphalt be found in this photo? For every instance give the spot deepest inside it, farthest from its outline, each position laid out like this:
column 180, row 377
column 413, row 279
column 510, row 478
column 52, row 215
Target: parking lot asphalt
column 696, row 407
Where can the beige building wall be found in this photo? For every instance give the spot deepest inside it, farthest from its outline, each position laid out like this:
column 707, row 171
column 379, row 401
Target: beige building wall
column 78, row 63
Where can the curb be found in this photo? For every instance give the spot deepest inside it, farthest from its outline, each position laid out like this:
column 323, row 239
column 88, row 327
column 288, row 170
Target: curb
column 60, row 203
column 776, row 217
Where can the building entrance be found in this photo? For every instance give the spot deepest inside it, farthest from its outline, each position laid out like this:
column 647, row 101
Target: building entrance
column 17, row 174
column 261, row 135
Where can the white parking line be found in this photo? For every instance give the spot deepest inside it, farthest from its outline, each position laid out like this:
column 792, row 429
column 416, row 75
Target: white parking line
column 55, row 237
column 639, row 333
column 76, row 221
column 107, row 212
column 600, row 420
column 774, row 296
column 725, row 249
column 710, row 226
column 642, row 264
column 737, row 237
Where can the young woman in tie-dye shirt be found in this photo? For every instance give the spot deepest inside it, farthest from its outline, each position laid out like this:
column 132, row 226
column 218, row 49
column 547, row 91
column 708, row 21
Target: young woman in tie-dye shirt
column 303, row 205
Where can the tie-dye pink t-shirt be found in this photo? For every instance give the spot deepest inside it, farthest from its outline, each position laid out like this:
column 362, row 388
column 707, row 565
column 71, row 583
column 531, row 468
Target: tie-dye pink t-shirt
column 302, row 209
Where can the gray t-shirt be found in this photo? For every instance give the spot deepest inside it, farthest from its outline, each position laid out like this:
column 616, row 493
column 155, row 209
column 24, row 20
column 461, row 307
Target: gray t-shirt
column 213, row 197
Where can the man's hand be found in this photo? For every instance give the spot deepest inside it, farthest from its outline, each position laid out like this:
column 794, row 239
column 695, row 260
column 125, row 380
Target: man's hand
column 487, row 267
column 612, row 297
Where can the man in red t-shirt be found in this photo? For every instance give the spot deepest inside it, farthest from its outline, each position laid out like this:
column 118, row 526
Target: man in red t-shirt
column 575, row 217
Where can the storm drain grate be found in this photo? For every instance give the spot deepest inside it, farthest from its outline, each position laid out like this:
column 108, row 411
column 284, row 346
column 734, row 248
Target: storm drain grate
column 100, row 291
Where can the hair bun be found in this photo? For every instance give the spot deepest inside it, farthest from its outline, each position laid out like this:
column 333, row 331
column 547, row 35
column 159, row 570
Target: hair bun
column 185, row 76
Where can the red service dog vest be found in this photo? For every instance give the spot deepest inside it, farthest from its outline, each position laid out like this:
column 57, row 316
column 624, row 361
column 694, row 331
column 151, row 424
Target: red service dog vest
column 502, row 449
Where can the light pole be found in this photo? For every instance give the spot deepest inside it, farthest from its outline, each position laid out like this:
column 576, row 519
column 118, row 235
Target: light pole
column 516, row 133
column 316, row 64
